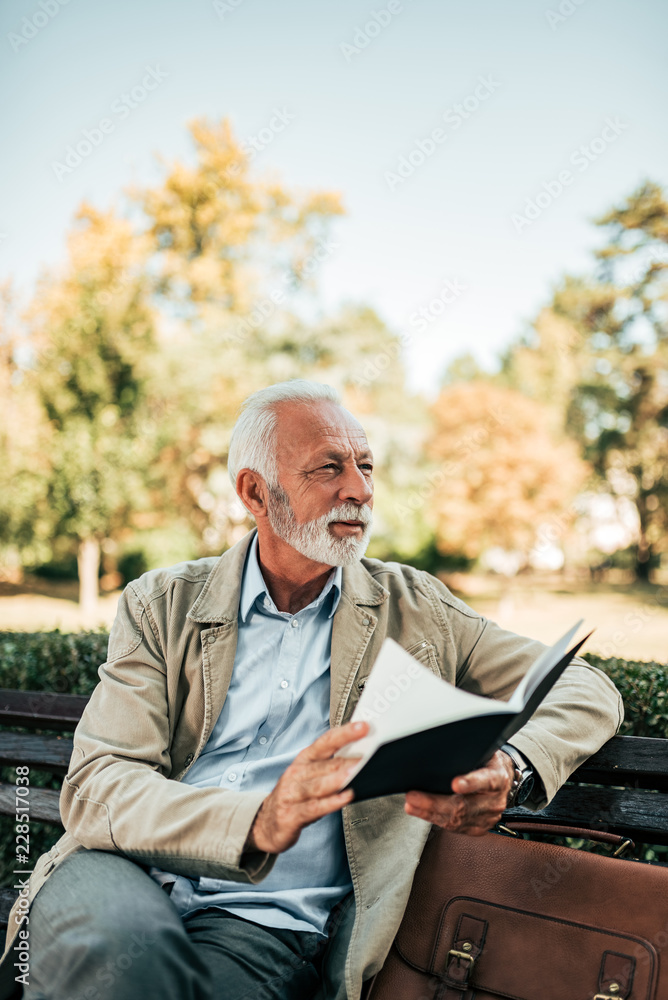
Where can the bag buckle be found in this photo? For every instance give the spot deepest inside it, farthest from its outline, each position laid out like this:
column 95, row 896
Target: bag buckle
column 465, row 954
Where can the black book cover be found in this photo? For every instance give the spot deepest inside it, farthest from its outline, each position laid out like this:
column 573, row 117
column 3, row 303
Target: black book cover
column 427, row 761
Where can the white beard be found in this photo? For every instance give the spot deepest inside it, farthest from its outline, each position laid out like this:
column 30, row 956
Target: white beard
column 313, row 539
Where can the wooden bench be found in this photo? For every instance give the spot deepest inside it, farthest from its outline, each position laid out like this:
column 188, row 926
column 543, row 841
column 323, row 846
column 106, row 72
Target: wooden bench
column 622, row 789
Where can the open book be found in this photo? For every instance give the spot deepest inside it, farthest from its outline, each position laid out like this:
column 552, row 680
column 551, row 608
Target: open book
column 424, row 731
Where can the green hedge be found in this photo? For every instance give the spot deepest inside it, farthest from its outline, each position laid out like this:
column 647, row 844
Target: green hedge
column 65, row 662
column 68, row 663
column 644, row 689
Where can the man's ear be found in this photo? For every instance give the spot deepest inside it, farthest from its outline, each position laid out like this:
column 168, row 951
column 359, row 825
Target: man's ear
column 252, row 491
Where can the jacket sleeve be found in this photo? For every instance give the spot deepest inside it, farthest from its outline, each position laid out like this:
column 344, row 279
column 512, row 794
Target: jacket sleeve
column 117, row 796
column 581, row 712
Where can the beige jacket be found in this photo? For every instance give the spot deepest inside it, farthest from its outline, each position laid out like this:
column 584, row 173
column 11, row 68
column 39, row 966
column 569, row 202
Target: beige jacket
column 171, row 654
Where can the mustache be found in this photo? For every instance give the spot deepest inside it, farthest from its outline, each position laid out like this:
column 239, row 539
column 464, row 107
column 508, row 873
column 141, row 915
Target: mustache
column 350, row 512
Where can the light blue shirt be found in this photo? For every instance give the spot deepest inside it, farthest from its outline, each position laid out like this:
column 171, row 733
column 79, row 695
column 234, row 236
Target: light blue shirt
column 277, row 704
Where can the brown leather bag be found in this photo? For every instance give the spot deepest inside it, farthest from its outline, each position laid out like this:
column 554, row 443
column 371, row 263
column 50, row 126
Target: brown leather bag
column 495, row 917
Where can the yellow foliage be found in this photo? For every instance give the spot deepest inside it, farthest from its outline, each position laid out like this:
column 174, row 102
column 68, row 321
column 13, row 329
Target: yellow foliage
column 505, row 469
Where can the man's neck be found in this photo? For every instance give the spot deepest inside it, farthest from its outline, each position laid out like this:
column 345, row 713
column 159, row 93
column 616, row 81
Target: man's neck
column 293, row 580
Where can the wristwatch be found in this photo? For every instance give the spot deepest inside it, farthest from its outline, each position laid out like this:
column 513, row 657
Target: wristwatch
column 524, row 778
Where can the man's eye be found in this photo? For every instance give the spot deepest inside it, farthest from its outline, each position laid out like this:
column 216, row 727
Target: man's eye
column 367, row 465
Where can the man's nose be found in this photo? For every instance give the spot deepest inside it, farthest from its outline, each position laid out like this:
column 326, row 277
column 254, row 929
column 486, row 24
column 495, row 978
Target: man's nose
column 356, row 487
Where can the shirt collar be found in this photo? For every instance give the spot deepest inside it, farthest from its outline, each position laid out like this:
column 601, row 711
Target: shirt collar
column 253, row 586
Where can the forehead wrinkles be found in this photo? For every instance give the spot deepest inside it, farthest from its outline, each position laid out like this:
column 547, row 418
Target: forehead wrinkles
column 309, row 431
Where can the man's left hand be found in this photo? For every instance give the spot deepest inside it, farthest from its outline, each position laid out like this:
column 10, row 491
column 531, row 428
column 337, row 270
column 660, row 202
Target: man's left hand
column 477, row 804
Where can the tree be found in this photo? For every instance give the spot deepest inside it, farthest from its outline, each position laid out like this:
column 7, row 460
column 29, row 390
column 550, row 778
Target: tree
column 227, row 252
column 148, row 341
column 237, row 261
column 23, row 464
column 93, row 336
column 605, row 371
column 501, row 470
column 224, row 240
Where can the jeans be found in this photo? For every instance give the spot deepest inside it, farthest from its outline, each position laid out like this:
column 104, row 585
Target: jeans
column 102, row 929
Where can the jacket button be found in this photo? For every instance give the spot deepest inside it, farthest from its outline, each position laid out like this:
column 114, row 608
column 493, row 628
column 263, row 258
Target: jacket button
column 366, row 621
column 210, row 639
column 189, row 759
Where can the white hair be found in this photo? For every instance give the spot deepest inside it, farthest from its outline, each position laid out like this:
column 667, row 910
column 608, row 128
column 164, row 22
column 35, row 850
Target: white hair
column 253, row 442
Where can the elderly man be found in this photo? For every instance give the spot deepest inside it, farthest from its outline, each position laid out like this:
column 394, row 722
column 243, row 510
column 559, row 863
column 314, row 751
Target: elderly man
column 209, row 850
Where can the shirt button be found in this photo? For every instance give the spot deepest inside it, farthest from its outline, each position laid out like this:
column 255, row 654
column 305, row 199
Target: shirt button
column 210, row 639
column 366, row 622
column 295, row 623
column 232, row 777
column 189, row 759
column 262, row 740
column 284, row 684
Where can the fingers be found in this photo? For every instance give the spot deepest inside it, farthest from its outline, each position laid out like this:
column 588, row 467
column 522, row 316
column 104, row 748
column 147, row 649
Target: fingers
column 461, row 813
column 486, row 779
column 328, row 778
column 315, row 809
column 334, row 739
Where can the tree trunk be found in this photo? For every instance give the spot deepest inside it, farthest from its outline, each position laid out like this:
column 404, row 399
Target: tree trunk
column 643, row 564
column 88, row 560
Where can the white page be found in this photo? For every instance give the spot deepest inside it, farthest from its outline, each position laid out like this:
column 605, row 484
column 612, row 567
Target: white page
column 401, row 696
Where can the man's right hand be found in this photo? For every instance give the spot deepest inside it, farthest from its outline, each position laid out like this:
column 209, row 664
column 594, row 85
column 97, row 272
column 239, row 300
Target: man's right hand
column 306, row 790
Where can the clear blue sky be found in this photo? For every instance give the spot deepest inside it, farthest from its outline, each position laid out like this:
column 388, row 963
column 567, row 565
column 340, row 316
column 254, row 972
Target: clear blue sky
column 355, row 115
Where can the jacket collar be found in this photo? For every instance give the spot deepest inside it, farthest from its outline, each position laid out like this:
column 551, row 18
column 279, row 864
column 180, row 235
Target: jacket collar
column 218, row 601
column 219, row 598
column 361, row 587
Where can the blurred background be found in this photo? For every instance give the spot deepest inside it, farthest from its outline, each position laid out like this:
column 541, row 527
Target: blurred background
column 454, row 212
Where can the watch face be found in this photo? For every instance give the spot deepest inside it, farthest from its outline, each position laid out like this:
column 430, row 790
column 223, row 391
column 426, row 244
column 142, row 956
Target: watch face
column 525, row 789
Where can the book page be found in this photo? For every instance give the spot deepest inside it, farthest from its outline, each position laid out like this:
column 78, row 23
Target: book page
column 401, row 696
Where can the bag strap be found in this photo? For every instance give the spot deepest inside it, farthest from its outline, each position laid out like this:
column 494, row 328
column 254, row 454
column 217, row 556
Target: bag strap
column 468, row 943
column 581, row 832
column 616, row 976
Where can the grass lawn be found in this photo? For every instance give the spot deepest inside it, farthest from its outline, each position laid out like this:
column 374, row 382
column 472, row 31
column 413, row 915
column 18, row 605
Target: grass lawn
column 630, row 621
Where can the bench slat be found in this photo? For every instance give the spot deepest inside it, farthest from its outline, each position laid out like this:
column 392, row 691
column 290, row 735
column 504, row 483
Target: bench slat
column 46, row 753
column 639, row 814
column 7, row 897
column 42, row 803
column 636, row 761
column 40, row 709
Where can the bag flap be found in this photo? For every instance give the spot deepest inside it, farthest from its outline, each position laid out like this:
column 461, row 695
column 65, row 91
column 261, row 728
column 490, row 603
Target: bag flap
column 519, row 954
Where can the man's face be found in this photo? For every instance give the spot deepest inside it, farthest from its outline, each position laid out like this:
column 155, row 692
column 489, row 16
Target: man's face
column 323, row 505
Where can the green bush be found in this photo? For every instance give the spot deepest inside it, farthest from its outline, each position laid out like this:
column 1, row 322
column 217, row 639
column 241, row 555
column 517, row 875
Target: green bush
column 644, row 689
column 68, row 662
